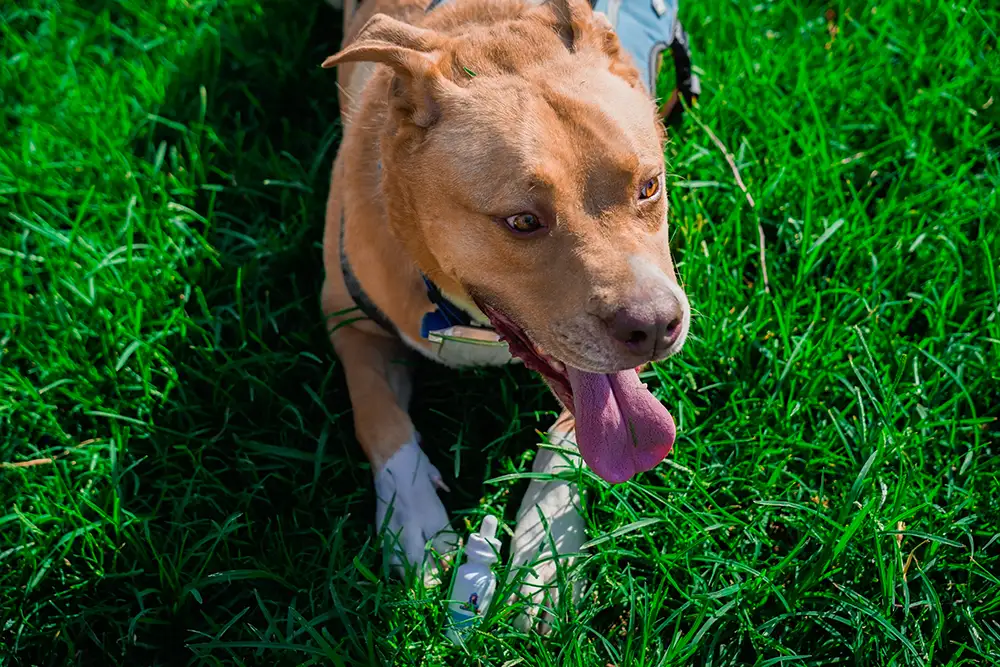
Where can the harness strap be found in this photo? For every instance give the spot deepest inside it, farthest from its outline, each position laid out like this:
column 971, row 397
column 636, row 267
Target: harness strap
column 687, row 83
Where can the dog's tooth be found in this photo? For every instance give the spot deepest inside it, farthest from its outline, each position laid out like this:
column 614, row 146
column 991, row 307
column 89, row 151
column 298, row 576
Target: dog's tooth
column 558, row 366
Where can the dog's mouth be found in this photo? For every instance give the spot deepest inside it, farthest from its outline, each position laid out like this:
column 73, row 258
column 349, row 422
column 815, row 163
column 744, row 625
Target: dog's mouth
column 621, row 429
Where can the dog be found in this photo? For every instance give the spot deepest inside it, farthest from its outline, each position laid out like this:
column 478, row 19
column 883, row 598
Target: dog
column 499, row 196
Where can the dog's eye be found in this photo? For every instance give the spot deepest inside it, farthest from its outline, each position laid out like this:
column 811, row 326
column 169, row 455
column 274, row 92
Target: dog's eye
column 523, row 223
column 650, row 189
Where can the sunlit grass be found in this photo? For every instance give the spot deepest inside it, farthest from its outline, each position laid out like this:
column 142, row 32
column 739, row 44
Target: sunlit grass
column 180, row 482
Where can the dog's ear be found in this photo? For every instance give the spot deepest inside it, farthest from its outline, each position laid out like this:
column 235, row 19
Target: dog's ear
column 572, row 20
column 580, row 27
column 415, row 56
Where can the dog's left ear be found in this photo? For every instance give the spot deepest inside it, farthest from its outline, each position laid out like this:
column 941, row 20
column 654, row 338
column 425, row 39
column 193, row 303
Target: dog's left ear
column 415, row 56
column 580, row 27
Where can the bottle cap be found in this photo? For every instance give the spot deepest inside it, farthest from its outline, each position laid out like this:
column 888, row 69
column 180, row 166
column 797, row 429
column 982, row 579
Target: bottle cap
column 484, row 546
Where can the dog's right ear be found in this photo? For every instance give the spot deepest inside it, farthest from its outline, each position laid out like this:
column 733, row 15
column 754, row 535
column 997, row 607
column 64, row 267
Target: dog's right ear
column 571, row 16
column 415, row 56
column 580, row 27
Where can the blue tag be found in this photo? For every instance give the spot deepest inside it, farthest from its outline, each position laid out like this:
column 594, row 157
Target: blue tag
column 446, row 315
column 433, row 321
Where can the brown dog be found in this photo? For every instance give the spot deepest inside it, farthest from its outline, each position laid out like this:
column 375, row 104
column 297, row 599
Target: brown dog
column 501, row 161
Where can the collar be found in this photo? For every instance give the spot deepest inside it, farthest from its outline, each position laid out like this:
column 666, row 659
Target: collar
column 365, row 304
column 446, row 315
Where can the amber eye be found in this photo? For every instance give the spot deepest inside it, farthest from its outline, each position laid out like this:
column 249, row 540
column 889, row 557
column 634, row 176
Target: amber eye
column 523, row 223
column 650, row 189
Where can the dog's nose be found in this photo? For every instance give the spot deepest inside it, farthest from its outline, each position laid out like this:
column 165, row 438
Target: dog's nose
column 645, row 334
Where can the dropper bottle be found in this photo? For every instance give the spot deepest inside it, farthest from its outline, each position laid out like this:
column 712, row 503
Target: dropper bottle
column 474, row 583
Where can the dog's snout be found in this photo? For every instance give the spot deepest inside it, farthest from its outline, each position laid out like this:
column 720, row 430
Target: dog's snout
column 646, row 332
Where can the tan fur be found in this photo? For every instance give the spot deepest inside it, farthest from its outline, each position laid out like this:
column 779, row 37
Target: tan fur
column 456, row 119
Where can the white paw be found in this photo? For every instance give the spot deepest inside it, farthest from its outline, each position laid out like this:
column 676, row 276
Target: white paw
column 542, row 550
column 408, row 508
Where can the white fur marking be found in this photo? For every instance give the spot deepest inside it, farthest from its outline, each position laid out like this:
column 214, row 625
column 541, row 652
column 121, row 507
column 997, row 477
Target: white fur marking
column 407, row 485
column 558, row 501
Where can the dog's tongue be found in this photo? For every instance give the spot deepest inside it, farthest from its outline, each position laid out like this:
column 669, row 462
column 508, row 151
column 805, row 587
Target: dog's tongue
column 621, row 428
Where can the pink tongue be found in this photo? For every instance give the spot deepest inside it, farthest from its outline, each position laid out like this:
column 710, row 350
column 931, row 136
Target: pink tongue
column 621, row 428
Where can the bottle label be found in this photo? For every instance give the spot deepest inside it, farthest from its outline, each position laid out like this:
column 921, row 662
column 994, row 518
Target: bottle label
column 462, row 621
column 466, row 614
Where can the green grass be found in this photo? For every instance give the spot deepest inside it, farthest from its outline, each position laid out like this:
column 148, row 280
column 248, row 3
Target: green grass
column 196, row 495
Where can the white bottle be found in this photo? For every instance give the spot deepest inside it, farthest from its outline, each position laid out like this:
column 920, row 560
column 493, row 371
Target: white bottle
column 475, row 583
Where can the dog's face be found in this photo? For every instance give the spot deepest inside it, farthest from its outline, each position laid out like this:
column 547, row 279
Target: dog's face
column 527, row 171
column 544, row 198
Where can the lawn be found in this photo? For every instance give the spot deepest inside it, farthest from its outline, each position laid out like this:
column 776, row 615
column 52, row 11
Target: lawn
column 180, row 482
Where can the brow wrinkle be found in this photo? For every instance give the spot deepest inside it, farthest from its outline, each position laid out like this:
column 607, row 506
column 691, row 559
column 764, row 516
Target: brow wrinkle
column 604, row 151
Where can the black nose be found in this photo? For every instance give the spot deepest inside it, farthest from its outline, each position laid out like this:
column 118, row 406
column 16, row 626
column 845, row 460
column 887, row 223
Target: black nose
column 645, row 334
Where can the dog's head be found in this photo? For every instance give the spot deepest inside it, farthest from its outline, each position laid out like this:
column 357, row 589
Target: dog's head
column 523, row 169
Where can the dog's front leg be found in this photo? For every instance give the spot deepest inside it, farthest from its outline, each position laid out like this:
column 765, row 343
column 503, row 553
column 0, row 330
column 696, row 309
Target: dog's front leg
column 406, row 484
column 550, row 528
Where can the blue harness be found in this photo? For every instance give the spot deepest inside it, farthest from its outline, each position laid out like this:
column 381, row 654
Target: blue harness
column 645, row 28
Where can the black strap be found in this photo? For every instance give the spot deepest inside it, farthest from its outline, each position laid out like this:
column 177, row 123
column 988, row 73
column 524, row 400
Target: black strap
column 687, row 83
column 365, row 305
